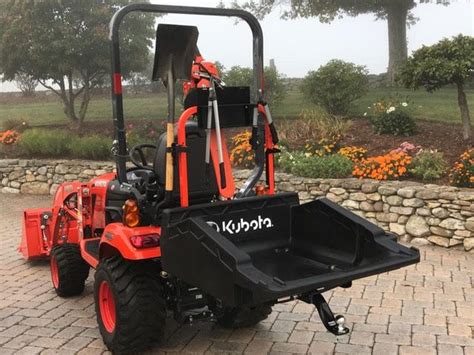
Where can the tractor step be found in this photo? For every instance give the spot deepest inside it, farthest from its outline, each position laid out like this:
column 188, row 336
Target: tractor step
column 265, row 248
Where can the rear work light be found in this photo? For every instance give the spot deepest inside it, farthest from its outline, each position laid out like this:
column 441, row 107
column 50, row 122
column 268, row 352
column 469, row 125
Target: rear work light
column 145, row 241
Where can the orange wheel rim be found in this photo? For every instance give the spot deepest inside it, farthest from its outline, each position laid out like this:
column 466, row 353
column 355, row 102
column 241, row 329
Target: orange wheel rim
column 54, row 272
column 107, row 306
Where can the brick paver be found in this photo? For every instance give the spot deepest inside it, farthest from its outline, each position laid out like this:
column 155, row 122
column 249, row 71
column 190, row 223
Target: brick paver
column 422, row 309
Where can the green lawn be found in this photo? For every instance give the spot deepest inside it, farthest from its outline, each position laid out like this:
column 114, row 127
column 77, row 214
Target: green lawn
column 440, row 106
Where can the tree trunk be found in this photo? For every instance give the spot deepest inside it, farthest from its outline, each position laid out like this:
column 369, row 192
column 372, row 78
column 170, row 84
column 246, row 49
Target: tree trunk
column 397, row 37
column 466, row 118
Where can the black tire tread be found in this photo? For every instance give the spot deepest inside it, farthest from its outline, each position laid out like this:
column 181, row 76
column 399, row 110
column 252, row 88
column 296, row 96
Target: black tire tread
column 139, row 301
column 245, row 316
column 72, row 269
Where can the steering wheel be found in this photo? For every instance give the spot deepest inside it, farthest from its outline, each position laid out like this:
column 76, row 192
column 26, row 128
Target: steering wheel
column 142, row 164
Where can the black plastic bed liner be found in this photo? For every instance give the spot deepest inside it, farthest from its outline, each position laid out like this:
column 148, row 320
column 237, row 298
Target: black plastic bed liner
column 260, row 249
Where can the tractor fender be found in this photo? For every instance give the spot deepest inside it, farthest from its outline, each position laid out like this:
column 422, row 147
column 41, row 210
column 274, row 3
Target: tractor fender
column 116, row 240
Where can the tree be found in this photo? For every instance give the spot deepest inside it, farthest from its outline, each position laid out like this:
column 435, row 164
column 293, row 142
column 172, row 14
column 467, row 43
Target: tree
column 64, row 45
column 243, row 76
column 26, row 84
column 335, row 86
column 450, row 61
column 396, row 12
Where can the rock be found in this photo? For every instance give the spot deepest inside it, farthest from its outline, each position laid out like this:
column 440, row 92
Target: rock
column 386, row 217
column 337, row 191
column 15, row 184
column 15, row 175
column 407, row 192
column 427, row 194
column 334, row 198
column 417, row 227
column 386, row 190
column 353, row 184
column 374, row 196
column 294, row 181
column 10, row 190
column 41, row 178
column 5, row 181
column 413, row 202
column 453, row 242
column 100, row 172
column 378, row 206
column 446, row 195
column 324, row 187
column 43, row 170
column 407, row 211
column 420, row 242
column 431, row 204
column 350, row 204
column 402, row 220
column 440, row 212
column 433, row 221
column 461, row 234
column 425, row 212
column 369, row 187
column 60, row 169
column 23, row 163
column 35, row 188
column 70, row 177
column 441, row 231
column 30, row 177
column 397, row 228
column 451, row 223
column 358, row 196
column 394, row 200
column 53, row 189
column 469, row 225
column 466, row 195
column 304, row 195
column 366, row 206
column 468, row 244
column 441, row 241
column 286, row 186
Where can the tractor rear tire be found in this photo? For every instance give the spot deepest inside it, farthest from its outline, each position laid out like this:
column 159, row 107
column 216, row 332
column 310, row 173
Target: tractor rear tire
column 129, row 302
column 245, row 316
column 68, row 270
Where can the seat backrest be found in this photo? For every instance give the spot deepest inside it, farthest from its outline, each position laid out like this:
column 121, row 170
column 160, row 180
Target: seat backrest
column 202, row 185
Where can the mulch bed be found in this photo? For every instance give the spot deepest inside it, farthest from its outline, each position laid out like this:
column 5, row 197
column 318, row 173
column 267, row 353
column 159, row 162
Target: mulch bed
column 444, row 137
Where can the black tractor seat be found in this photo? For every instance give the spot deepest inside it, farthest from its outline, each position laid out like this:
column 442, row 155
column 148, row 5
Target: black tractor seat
column 202, row 184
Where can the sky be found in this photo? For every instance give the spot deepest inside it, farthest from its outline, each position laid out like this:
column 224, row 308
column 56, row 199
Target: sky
column 301, row 45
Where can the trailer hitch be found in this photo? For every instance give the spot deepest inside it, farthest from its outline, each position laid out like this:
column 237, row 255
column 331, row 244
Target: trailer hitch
column 333, row 323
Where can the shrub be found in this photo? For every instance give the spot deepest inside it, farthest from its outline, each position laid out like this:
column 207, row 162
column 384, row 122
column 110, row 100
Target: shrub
column 312, row 127
column 92, row 147
column 42, row 142
column 391, row 116
column 353, row 153
column 9, row 137
column 336, row 85
column 385, row 167
column 330, row 166
column 241, row 153
column 16, row 124
column 462, row 173
column 428, row 165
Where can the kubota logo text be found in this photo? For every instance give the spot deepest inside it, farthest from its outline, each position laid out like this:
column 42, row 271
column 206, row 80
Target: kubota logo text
column 235, row 227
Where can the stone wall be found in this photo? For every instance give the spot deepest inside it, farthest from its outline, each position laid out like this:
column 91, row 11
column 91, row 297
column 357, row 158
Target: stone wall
column 420, row 214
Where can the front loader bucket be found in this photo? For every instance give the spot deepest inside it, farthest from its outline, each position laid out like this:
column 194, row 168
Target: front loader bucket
column 33, row 244
column 261, row 249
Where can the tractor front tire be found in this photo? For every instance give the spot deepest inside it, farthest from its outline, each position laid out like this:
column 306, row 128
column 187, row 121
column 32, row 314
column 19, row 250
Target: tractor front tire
column 245, row 316
column 129, row 302
column 68, row 270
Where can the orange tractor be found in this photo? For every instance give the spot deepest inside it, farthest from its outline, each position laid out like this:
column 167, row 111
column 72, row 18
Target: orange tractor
column 176, row 235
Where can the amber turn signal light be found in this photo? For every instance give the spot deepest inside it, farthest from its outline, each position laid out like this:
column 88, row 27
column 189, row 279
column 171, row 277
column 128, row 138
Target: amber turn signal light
column 131, row 213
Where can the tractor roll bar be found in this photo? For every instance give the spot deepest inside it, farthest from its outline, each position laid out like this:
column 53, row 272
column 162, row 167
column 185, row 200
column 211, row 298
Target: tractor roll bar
column 117, row 101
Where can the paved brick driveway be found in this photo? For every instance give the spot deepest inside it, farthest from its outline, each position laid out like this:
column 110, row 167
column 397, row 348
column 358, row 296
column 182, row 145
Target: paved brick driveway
column 424, row 309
